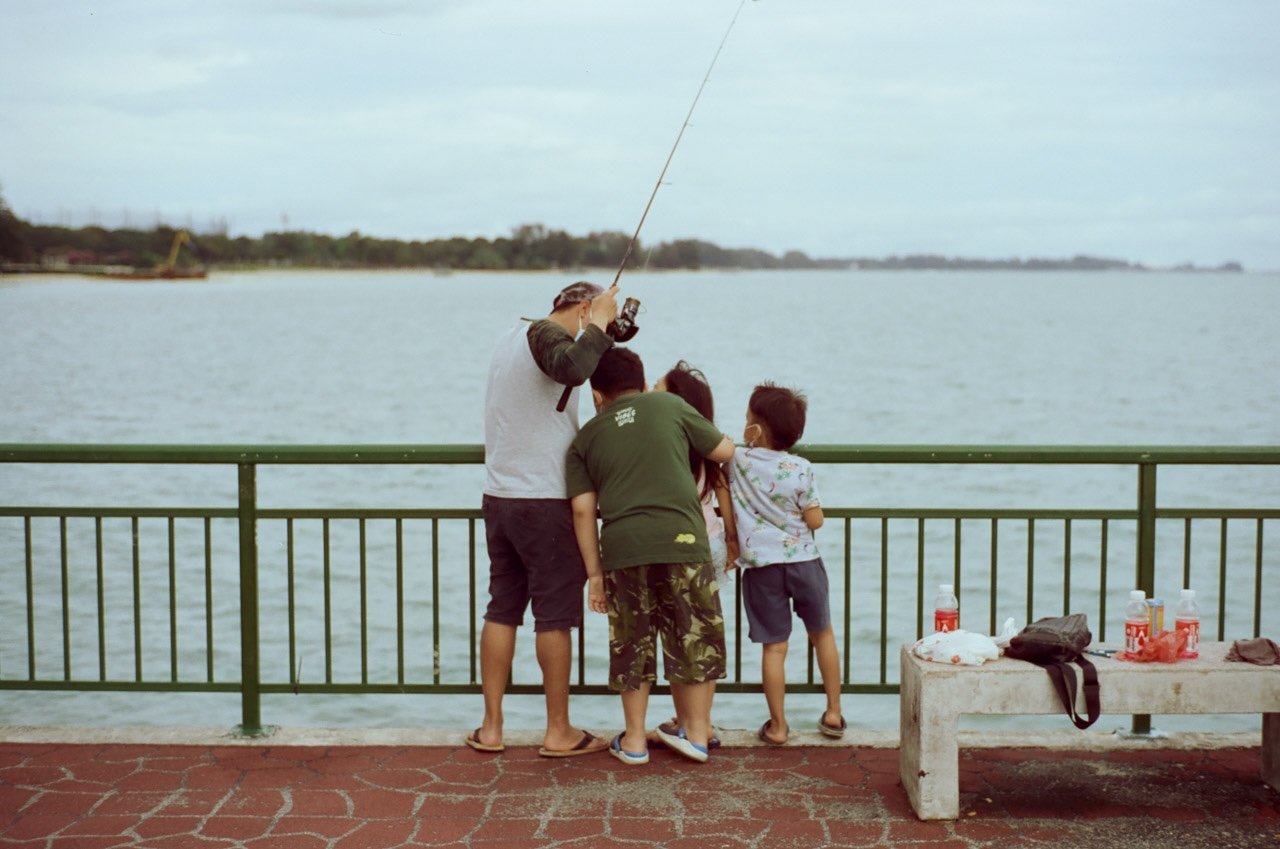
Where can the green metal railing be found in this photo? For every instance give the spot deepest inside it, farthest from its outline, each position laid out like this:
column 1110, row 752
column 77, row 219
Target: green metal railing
column 389, row 598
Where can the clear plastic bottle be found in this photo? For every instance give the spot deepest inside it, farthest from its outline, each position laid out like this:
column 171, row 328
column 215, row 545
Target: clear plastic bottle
column 1137, row 622
column 946, row 609
column 1186, row 617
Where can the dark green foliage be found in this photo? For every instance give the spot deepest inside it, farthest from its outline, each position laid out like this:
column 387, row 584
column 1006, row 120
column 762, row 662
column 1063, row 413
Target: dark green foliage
column 531, row 247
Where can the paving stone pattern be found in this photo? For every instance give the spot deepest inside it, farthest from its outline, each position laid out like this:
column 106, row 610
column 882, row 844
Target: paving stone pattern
column 78, row 796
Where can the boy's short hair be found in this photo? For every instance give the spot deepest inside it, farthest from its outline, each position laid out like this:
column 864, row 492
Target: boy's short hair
column 781, row 411
column 619, row 370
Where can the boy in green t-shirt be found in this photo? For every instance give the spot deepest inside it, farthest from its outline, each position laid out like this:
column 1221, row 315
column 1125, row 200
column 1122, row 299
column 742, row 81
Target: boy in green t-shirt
column 650, row 567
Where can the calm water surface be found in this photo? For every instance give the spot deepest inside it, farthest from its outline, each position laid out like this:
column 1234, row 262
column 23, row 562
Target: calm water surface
column 400, row 357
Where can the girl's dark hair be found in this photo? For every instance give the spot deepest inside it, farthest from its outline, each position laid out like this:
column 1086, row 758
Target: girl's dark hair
column 689, row 383
column 782, row 413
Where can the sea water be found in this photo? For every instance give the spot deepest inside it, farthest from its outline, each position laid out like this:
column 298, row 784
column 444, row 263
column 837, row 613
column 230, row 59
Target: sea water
column 309, row 357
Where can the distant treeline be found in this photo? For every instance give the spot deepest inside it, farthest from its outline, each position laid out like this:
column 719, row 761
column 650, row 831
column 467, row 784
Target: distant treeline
column 532, row 247
column 1077, row 263
column 529, row 248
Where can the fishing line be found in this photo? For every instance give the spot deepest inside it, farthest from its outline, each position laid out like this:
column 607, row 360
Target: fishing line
column 633, row 305
column 631, row 245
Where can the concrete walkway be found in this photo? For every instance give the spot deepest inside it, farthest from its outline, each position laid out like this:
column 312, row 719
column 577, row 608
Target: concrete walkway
column 299, row 789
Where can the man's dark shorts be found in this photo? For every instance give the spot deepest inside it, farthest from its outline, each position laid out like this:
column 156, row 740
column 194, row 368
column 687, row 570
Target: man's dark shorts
column 768, row 592
column 533, row 557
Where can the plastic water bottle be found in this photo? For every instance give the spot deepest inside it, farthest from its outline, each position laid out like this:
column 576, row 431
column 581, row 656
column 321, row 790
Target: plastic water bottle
column 1187, row 618
column 1137, row 622
column 946, row 609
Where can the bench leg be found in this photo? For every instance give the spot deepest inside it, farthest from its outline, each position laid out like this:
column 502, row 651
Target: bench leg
column 1271, row 749
column 928, row 752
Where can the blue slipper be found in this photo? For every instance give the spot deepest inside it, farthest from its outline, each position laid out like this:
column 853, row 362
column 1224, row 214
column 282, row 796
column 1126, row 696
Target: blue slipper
column 681, row 743
column 629, row 758
column 713, row 742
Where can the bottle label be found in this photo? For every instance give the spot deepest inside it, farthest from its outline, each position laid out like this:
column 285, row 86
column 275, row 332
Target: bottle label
column 946, row 620
column 1155, row 608
column 1135, row 635
column 1192, row 627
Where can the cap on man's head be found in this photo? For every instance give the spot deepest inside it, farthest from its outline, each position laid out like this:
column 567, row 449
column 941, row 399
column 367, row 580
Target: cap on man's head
column 576, row 293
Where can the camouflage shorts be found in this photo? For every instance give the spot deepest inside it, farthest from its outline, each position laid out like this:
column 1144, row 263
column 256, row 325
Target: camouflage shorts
column 680, row 602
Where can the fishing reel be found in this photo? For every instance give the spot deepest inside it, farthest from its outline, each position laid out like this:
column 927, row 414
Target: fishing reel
column 623, row 328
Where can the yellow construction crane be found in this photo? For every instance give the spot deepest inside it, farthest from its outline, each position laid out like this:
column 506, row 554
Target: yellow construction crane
column 179, row 238
column 166, row 270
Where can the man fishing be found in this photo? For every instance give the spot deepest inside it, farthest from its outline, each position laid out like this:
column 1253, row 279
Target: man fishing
column 534, row 560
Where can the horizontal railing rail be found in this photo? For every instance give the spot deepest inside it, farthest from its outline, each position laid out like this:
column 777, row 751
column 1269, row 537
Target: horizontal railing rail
column 387, row 599
column 1127, row 455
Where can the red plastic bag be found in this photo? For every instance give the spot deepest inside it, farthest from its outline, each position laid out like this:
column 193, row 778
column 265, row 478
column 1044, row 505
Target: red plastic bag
column 1160, row 648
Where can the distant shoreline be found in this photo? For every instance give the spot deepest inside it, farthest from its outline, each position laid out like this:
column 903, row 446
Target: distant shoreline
column 36, row 248
column 111, row 273
column 1078, row 263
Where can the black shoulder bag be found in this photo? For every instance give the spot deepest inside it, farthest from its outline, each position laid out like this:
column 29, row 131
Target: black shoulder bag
column 1055, row 643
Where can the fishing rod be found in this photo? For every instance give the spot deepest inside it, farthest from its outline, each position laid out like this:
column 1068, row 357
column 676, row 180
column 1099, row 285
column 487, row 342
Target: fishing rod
column 624, row 327
column 631, row 245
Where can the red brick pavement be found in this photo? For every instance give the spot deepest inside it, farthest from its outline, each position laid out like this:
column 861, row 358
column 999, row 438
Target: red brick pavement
column 104, row 796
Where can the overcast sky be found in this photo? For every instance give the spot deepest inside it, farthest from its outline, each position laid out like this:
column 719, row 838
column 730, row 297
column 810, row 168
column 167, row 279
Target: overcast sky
column 1144, row 130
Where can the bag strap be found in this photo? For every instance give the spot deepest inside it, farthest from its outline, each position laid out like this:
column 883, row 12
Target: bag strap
column 1092, row 705
column 1064, row 681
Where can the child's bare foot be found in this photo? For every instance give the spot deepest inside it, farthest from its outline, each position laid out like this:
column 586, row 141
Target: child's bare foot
column 831, row 727
column 769, row 738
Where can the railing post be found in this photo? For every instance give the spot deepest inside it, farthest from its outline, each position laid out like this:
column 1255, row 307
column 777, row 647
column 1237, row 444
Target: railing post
column 1146, row 565
column 250, row 673
column 1147, row 528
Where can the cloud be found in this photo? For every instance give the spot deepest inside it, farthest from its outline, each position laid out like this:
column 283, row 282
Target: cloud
column 343, row 10
column 826, row 126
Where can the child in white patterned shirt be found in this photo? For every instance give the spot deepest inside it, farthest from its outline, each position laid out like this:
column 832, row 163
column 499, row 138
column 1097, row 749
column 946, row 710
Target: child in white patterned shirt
column 776, row 509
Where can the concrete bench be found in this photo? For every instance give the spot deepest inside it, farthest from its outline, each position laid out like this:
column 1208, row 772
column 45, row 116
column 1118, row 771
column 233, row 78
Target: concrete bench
column 934, row 695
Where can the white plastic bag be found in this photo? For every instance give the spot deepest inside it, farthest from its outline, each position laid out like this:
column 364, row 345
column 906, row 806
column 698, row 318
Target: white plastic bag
column 963, row 648
column 1007, row 633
